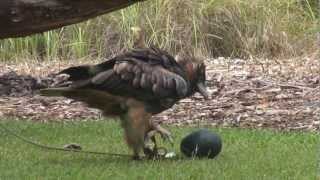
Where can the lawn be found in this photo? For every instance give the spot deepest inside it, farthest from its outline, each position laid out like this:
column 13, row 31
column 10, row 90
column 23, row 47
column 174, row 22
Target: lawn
column 246, row 154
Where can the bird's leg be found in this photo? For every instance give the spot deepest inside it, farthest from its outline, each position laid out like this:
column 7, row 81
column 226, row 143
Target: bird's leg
column 136, row 123
column 134, row 141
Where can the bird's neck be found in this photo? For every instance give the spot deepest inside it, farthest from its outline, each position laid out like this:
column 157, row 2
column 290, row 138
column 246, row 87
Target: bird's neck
column 190, row 72
column 192, row 78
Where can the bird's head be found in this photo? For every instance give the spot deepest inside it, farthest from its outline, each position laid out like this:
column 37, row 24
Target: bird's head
column 196, row 72
column 138, row 35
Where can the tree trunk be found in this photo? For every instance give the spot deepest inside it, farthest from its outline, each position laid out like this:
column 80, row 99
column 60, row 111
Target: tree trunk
column 24, row 17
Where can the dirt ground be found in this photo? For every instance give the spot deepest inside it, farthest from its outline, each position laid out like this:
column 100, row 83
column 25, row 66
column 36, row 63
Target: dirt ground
column 282, row 94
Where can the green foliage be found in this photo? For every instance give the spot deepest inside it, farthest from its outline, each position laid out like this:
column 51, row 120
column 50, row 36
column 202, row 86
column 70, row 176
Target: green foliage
column 246, row 154
column 240, row 28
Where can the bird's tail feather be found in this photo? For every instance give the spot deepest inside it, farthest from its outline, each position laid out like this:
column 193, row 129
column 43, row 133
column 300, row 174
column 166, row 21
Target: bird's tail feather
column 85, row 72
column 109, row 104
column 54, row 92
column 78, row 72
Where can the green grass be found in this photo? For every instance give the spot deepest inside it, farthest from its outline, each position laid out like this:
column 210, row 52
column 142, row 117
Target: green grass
column 246, row 154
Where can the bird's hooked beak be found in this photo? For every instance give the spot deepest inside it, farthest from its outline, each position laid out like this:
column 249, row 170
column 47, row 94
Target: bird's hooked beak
column 203, row 90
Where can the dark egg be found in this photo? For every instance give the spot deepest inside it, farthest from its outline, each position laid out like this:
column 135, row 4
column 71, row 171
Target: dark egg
column 201, row 143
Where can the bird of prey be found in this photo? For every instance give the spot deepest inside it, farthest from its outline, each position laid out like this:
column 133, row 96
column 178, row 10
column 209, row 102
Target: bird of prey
column 134, row 86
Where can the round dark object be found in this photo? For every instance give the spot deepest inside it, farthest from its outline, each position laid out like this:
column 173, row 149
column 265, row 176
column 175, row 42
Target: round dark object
column 201, row 143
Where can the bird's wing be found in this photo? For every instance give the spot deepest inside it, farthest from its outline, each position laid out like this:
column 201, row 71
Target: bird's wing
column 145, row 74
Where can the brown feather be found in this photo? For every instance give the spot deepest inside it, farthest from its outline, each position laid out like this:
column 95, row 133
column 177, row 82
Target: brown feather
column 133, row 86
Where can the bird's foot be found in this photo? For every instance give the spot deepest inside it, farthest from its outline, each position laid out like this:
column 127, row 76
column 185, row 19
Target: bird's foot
column 150, row 149
column 165, row 134
column 155, row 153
column 150, row 153
column 136, row 157
column 150, row 144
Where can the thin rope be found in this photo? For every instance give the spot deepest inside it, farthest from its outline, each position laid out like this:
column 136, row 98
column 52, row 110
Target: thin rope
column 28, row 141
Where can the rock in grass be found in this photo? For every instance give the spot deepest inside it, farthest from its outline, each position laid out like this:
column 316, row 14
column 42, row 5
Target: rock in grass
column 201, row 143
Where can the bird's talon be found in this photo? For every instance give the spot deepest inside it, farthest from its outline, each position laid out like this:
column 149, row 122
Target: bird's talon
column 166, row 135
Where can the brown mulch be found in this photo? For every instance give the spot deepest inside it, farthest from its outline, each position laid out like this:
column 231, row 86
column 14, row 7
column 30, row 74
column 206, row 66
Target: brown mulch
column 282, row 95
